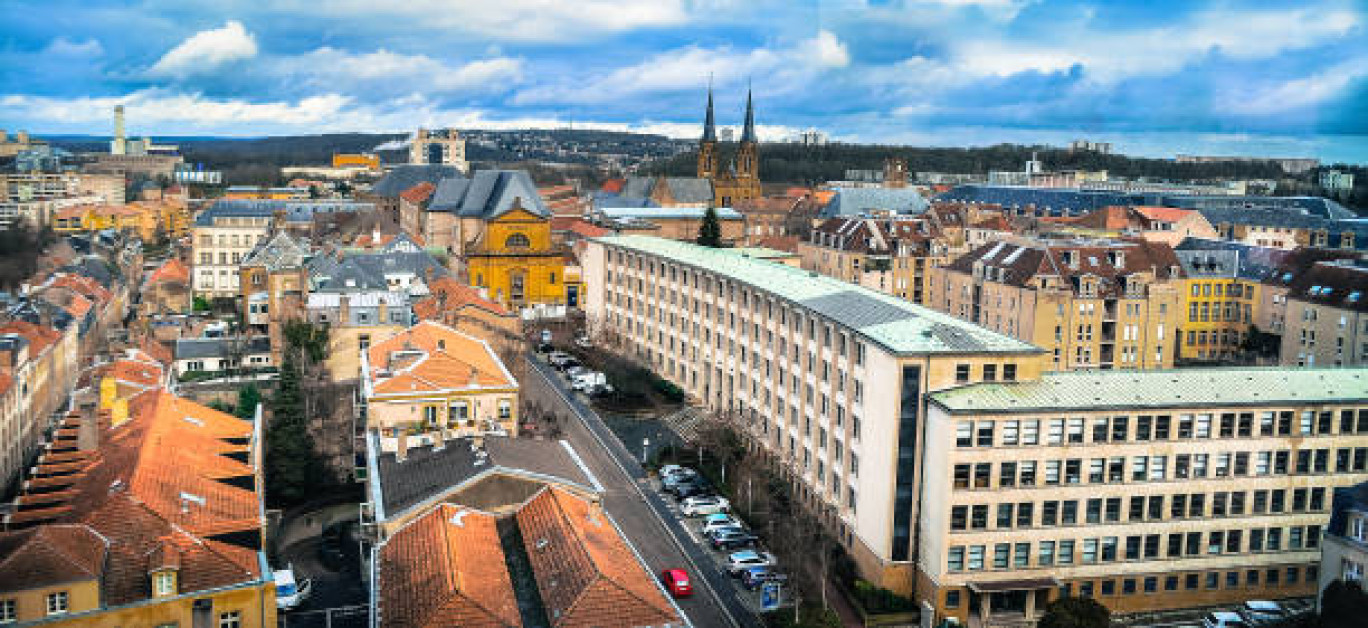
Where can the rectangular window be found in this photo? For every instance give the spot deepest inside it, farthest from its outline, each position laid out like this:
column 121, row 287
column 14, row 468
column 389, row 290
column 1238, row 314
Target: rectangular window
column 8, row 614
column 57, row 603
column 955, row 560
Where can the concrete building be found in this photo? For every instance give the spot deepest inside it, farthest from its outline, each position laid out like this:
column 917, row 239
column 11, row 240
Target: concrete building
column 891, row 254
column 1336, row 180
column 1144, row 490
column 1092, row 304
column 220, row 237
column 799, row 357
column 439, row 147
column 1344, row 549
column 1326, row 319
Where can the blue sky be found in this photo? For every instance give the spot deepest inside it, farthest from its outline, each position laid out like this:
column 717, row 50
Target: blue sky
column 1155, row 77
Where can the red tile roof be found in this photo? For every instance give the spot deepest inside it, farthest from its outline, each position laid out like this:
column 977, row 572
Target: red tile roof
column 614, row 186
column 450, row 294
column 173, row 270
column 39, row 337
column 995, row 223
column 50, row 555
column 433, row 357
column 1165, row 214
column 585, row 571
column 419, row 194
column 446, row 568
column 578, row 225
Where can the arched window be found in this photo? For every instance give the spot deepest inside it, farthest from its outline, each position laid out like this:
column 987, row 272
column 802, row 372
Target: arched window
column 517, row 241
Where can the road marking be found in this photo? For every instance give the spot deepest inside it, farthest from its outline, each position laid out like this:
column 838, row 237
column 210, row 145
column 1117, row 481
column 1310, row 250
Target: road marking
column 726, row 612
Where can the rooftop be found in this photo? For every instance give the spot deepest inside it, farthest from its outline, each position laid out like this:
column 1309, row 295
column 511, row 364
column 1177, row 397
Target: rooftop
column 895, row 324
column 1089, row 390
column 433, row 357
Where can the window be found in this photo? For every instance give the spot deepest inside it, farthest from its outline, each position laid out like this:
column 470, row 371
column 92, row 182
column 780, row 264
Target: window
column 1009, row 372
column 989, row 372
column 57, row 603
column 952, row 599
column 232, row 619
column 8, row 614
column 517, row 241
column 164, row 583
column 961, row 373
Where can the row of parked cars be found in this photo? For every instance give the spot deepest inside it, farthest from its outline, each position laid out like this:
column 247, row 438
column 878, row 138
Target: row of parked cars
column 1251, row 614
column 722, row 530
column 581, row 379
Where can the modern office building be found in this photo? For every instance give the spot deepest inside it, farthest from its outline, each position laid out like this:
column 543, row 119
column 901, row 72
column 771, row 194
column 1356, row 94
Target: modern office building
column 1145, row 490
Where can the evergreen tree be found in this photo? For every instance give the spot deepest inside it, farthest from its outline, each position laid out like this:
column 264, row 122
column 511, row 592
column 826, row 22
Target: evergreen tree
column 710, row 230
column 1343, row 604
column 248, row 398
column 294, row 470
column 1075, row 612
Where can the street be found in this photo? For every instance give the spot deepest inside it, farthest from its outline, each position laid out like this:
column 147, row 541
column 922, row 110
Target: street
column 643, row 516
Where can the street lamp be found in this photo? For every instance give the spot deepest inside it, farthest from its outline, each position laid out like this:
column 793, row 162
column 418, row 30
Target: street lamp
column 645, row 443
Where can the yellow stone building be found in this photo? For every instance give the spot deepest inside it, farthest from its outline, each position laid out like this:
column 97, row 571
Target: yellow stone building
column 145, row 219
column 499, row 233
column 1220, row 292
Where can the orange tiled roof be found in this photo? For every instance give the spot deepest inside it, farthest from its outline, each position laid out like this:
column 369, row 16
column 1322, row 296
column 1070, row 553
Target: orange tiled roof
column 1111, row 218
column 173, row 270
column 1166, row 214
column 446, row 568
column 420, row 193
column 578, row 225
column 83, row 285
column 779, row 243
column 797, row 192
column 585, row 572
column 76, row 211
column 157, row 351
column 614, row 186
column 39, row 337
column 995, row 223
column 78, row 307
column 50, row 555
column 436, row 358
column 450, row 294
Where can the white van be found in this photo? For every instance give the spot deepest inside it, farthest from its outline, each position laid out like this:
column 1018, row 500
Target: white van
column 289, row 592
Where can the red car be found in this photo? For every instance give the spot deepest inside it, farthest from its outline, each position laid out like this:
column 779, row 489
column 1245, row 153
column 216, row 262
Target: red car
column 677, row 582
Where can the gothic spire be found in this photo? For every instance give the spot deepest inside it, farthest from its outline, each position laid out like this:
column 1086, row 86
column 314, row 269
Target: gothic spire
column 709, row 133
column 748, row 134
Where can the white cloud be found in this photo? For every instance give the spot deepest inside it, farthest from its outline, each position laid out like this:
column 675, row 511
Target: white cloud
column 64, row 47
column 332, row 68
column 206, row 51
column 684, row 69
column 523, row 20
column 1300, row 93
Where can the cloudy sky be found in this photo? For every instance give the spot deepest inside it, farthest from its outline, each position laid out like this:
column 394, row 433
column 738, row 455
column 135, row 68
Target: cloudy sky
column 1156, row 77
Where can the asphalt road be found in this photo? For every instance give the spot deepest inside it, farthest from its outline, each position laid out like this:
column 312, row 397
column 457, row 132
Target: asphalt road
column 640, row 512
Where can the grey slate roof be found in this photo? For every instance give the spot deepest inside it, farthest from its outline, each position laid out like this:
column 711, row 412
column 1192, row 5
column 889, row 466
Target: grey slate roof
column 295, row 211
column 428, row 472
column 194, row 348
column 855, row 201
column 1231, row 259
column 1089, row 390
column 367, row 270
column 899, row 326
column 404, row 177
column 1264, row 217
column 488, row 194
column 682, row 189
column 277, row 252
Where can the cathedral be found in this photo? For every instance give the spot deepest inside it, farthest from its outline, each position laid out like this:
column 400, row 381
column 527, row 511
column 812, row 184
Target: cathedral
column 741, row 179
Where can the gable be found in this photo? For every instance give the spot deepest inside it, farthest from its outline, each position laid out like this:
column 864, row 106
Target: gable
column 519, row 215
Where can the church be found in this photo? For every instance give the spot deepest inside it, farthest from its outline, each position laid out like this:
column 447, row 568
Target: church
column 740, row 180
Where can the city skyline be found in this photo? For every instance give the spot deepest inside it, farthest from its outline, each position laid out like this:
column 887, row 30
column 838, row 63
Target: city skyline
column 1158, row 79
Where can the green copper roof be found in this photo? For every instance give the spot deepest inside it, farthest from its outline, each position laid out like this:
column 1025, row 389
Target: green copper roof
column 1089, row 390
column 899, row 326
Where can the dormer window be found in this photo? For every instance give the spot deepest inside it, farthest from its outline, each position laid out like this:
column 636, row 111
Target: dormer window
column 164, row 583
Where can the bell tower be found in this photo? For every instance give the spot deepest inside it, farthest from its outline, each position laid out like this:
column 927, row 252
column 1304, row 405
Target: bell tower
column 707, row 146
column 747, row 158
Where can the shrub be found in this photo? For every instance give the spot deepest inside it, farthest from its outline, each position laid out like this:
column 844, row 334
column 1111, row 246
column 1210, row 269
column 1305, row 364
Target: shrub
column 875, row 599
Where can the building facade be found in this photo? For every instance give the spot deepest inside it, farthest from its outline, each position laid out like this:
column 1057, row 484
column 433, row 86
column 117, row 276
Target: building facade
column 1326, row 319
column 738, row 180
column 443, row 147
column 1144, row 490
column 1092, row 304
column 220, row 238
column 892, row 254
column 1344, row 550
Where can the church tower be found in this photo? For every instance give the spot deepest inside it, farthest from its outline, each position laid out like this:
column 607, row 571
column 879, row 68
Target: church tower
column 748, row 166
column 707, row 147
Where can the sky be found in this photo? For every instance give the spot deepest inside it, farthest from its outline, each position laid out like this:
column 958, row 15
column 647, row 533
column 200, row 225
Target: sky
column 1156, row 77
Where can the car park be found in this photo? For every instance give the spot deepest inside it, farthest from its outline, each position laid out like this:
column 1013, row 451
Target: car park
column 705, row 505
column 732, row 539
column 738, row 562
column 719, row 520
column 1224, row 619
column 756, row 577
column 677, row 582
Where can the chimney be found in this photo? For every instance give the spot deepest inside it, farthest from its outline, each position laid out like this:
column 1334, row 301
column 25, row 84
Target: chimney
column 108, row 392
column 88, row 438
column 118, row 415
column 401, row 450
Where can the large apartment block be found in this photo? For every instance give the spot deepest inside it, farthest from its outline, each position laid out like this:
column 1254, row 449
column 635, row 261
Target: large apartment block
column 1325, row 322
column 1092, row 304
column 1146, row 490
column 950, row 467
column 828, row 376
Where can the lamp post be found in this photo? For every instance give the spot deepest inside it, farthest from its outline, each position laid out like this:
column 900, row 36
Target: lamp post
column 645, row 444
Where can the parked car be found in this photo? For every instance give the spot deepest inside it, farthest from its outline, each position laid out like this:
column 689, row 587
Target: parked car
column 679, row 476
column 559, row 359
column 587, row 381
column 705, row 505
column 738, row 562
column 756, row 577
column 574, row 370
column 692, row 489
column 546, row 336
column 676, row 581
column 289, row 591
column 732, row 539
column 720, row 520
column 1259, row 612
column 582, row 341
column 1224, row 619
column 674, row 469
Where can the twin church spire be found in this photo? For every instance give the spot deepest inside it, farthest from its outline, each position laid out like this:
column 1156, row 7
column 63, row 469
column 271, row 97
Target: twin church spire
column 747, row 158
